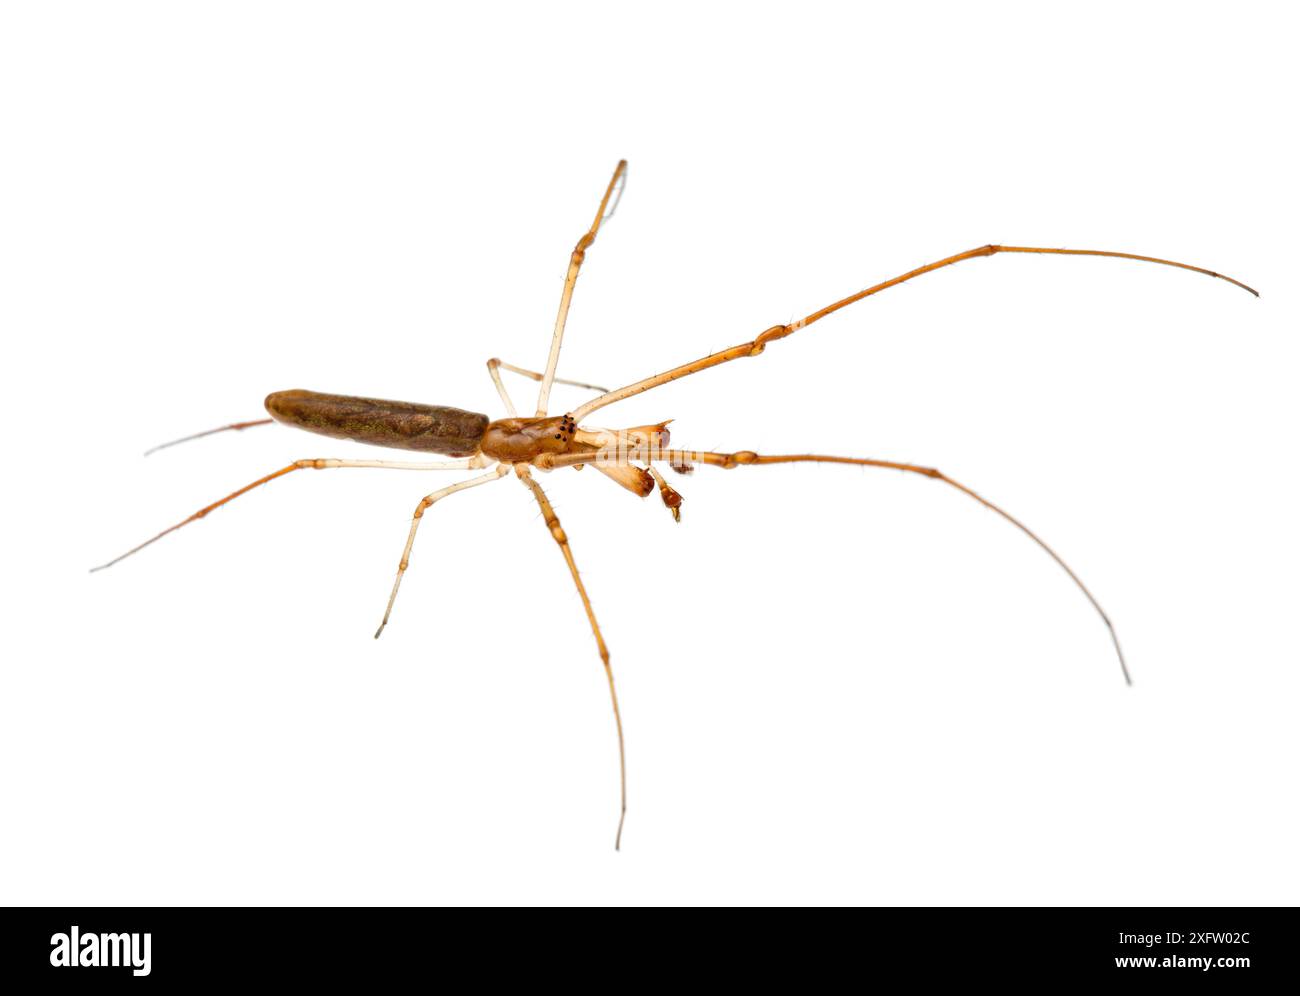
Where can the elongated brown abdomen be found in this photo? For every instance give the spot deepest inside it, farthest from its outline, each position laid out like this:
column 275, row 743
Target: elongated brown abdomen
column 401, row 424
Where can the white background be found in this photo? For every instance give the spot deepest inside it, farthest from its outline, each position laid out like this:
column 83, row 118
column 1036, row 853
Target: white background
column 839, row 685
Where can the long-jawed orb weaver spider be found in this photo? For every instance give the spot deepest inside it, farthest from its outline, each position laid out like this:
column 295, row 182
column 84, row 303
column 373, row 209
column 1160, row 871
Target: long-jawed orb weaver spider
column 545, row 442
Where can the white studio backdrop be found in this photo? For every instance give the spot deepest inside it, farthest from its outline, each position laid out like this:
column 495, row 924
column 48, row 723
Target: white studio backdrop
column 839, row 685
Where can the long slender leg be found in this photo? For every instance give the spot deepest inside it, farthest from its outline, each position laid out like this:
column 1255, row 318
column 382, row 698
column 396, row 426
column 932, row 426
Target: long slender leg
column 467, row 464
column 570, row 279
column 425, row 502
column 494, row 365
column 757, row 345
column 560, row 537
column 747, row 457
column 236, row 426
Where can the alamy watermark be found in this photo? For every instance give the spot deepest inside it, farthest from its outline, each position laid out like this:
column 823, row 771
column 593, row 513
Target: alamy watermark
column 75, row 949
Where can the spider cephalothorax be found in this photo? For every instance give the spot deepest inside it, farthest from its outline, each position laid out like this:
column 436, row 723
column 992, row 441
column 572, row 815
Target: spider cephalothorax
column 522, row 440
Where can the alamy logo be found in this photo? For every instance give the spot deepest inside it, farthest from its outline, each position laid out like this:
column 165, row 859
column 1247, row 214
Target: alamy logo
column 101, row 951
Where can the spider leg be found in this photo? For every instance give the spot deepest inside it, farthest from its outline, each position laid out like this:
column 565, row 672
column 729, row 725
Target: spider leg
column 561, row 538
column 571, row 279
column 465, row 464
column 425, row 502
column 757, row 345
column 748, row 457
column 236, row 426
column 494, row 365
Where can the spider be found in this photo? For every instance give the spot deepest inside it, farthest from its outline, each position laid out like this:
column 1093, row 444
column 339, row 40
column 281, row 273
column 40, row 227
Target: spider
column 522, row 444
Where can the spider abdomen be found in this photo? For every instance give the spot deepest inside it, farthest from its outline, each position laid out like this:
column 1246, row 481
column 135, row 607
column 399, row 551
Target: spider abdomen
column 401, row 425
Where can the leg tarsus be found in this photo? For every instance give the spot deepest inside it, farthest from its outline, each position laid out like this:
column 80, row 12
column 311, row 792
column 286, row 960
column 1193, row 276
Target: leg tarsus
column 233, row 426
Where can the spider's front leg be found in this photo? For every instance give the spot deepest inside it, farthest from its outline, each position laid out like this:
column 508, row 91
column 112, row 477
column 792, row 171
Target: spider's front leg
column 744, row 458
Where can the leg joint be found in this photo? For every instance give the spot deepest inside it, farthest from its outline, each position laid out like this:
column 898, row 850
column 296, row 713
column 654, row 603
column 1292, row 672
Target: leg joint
column 770, row 335
column 736, row 459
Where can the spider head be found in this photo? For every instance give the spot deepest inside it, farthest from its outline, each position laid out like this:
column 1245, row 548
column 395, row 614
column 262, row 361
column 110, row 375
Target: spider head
column 521, row 440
